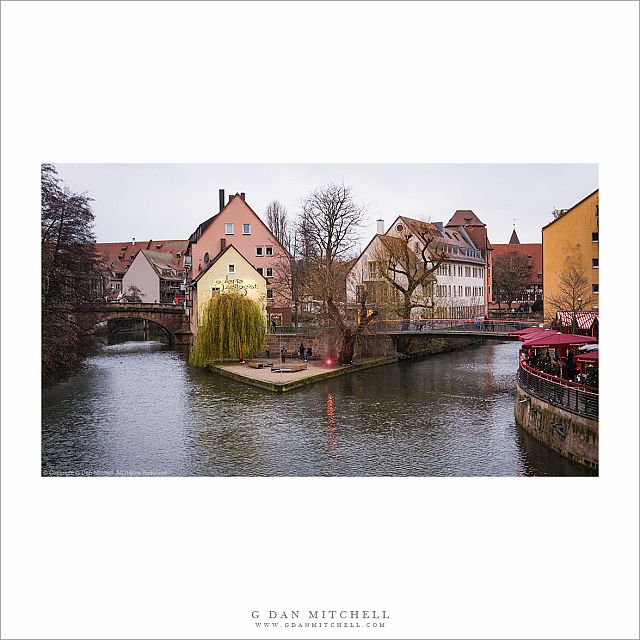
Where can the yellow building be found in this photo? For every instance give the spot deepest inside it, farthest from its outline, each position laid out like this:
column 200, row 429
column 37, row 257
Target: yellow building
column 228, row 272
column 570, row 259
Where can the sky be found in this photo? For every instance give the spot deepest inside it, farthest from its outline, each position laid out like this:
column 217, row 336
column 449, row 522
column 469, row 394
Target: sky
column 168, row 201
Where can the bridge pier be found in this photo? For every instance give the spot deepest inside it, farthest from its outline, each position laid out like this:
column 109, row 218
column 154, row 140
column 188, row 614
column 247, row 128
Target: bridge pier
column 182, row 338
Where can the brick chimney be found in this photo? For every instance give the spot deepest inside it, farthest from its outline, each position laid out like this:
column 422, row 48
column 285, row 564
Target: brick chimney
column 380, row 226
column 242, row 195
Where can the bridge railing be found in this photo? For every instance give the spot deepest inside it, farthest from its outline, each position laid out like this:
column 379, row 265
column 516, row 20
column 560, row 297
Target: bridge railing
column 574, row 397
column 130, row 306
column 447, row 324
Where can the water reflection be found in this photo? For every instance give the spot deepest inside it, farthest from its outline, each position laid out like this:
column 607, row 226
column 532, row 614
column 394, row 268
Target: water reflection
column 138, row 408
column 332, row 436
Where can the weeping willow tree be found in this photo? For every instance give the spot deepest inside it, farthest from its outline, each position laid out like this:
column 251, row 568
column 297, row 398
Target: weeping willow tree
column 233, row 326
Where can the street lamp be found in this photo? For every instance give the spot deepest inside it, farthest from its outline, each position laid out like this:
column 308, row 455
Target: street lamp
column 579, row 303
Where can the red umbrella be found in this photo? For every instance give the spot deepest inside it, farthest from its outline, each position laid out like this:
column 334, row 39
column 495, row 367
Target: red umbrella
column 534, row 335
column 557, row 339
column 591, row 356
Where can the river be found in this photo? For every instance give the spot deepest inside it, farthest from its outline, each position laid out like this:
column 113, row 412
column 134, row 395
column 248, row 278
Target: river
column 137, row 408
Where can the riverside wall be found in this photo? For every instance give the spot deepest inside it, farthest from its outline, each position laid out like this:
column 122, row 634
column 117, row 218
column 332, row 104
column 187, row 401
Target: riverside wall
column 371, row 345
column 571, row 435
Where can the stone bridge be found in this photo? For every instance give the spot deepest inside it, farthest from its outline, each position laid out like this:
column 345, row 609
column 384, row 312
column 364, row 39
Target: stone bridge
column 171, row 317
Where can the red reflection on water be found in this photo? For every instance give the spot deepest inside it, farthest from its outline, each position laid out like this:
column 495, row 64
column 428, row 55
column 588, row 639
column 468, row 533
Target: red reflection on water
column 332, row 435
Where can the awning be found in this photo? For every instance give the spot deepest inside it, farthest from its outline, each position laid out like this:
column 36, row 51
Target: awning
column 558, row 340
column 584, row 319
column 591, row 356
column 539, row 333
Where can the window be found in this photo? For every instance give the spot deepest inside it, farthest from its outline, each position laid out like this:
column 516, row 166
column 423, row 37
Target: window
column 259, row 270
column 178, row 254
column 269, row 273
column 594, row 237
column 229, row 228
column 594, row 288
column 232, row 268
column 215, row 291
column 246, row 229
column 399, row 227
column 268, row 251
column 269, row 294
column 259, row 251
column 206, row 258
column 594, row 262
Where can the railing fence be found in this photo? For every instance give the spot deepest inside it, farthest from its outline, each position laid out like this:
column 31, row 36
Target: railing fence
column 574, row 398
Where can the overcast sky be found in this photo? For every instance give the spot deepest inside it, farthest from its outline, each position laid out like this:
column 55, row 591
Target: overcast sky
column 167, row 202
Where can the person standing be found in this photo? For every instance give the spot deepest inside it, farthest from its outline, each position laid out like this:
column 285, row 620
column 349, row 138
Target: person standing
column 283, row 354
column 301, row 351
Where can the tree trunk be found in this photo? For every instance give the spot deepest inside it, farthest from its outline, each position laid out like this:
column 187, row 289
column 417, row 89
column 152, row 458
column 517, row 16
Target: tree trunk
column 347, row 348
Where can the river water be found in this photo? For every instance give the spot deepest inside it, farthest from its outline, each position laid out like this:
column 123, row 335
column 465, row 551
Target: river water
column 138, row 409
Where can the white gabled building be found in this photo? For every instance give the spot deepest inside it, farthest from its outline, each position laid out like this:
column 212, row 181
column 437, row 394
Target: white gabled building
column 459, row 287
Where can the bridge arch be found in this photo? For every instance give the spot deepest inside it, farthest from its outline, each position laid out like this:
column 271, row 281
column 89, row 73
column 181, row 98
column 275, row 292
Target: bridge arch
column 118, row 316
column 170, row 318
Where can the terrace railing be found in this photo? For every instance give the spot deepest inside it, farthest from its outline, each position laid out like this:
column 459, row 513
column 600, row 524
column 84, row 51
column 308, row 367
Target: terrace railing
column 577, row 398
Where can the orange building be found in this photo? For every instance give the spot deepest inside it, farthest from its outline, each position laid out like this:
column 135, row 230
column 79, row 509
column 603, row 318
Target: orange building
column 570, row 259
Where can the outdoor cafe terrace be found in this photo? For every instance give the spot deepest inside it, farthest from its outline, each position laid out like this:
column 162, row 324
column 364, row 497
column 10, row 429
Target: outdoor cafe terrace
column 553, row 368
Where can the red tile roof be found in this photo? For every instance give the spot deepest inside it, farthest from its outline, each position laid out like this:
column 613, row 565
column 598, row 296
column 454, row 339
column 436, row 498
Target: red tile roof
column 465, row 218
column 118, row 256
column 533, row 253
column 450, row 235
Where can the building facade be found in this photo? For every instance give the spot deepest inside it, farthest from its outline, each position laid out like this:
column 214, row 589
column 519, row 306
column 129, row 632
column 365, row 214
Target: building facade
column 229, row 271
column 570, row 259
column 477, row 232
column 532, row 253
column 116, row 257
column 155, row 277
column 458, row 286
column 236, row 223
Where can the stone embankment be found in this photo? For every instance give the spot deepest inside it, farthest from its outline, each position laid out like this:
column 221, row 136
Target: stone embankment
column 571, row 435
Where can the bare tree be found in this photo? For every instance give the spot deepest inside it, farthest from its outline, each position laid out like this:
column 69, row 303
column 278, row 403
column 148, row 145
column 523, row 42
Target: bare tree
column 327, row 232
column 278, row 222
column 573, row 291
column 70, row 275
column 408, row 263
column 511, row 274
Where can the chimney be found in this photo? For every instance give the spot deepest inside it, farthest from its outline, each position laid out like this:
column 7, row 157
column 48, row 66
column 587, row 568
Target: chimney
column 242, row 195
column 380, row 227
column 223, row 244
column 221, row 198
column 133, row 240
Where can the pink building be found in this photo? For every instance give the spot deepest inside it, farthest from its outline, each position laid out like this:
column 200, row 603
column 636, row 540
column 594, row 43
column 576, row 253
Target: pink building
column 237, row 224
